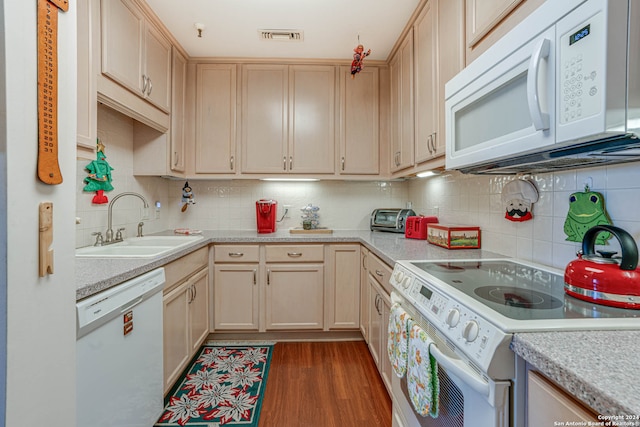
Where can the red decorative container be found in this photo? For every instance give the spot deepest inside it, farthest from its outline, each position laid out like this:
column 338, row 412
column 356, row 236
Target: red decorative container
column 416, row 226
column 454, row 237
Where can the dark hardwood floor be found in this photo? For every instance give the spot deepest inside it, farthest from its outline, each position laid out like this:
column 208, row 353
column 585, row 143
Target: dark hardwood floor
column 324, row 384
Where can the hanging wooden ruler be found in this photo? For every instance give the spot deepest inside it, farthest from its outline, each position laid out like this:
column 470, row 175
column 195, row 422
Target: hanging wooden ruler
column 48, row 167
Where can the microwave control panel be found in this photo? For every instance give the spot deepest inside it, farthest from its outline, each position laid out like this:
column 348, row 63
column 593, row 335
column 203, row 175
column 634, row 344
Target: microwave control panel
column 581, row 73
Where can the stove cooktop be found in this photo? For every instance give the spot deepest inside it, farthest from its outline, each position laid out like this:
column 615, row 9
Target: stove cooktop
column 517, row 291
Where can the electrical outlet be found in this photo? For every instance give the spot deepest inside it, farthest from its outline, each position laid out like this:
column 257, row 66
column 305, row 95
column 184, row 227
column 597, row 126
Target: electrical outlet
column 287, row 209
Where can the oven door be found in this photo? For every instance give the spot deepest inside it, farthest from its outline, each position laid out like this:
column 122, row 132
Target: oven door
column 466, row 396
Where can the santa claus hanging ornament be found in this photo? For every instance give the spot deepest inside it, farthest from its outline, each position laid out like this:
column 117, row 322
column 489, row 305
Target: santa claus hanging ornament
column 518, row 198
column 358, row 56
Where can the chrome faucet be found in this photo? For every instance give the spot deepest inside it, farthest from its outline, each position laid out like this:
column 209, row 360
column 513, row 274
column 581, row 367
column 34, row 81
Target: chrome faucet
column 109, row 234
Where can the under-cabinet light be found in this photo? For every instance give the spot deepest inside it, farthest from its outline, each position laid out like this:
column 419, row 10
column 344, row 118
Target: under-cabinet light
column 290, row 179
column 427, row 174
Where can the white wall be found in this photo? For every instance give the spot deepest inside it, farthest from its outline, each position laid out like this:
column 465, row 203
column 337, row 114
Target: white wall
column 476, row 200
column 40, row 311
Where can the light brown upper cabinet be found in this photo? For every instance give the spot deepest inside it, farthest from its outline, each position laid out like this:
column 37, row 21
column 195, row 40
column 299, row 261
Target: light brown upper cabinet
column 431, row 53
column 451, row 56
column 288, row 119
column 488, row 20
column 178, row 104
column 215, row 140
column 135, row 54
column 402, row 120
column 359, row 122
column 425, row 33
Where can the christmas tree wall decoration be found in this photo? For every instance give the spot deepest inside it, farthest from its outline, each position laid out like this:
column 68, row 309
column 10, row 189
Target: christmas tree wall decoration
column 99, row 179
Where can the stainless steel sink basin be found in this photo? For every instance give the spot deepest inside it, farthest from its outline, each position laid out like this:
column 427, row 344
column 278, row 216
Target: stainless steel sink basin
column 138, row 247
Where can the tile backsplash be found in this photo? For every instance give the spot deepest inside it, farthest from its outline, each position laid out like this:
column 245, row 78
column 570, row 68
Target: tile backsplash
column 476, row 200
column 455, row 198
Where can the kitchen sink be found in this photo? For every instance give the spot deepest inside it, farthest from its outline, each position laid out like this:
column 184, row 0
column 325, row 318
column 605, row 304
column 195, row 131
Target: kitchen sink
column 138, row 247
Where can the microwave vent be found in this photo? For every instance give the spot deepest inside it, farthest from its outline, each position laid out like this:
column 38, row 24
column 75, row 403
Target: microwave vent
column 281, row 35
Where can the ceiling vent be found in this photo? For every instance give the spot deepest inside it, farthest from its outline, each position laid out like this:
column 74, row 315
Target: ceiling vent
column 281, row 35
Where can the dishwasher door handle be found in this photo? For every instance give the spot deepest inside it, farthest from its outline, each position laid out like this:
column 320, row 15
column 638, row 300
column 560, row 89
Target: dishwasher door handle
column 132, row 304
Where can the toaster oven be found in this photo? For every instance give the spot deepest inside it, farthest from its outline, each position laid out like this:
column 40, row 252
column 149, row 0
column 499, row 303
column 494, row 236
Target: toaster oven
column 393, row 219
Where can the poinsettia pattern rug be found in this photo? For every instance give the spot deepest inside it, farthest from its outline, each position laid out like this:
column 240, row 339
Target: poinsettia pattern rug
column 224, row 386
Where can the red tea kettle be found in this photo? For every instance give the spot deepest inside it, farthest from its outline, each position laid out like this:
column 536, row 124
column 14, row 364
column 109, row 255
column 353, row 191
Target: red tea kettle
column 603, row 279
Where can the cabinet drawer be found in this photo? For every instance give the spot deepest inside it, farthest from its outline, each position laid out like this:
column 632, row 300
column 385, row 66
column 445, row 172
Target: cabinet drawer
column 236, row 253
column 380, row 271
column 184, row 267
column 294, row 253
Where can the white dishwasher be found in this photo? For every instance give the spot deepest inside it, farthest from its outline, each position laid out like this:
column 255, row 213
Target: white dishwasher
column 119, row 354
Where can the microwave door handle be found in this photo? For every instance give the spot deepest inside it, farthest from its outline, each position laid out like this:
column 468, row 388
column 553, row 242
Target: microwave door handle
column 540, row 119
column 460, row 370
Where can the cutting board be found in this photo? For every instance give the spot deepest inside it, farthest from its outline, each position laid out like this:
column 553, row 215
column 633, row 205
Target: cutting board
column 312, row 231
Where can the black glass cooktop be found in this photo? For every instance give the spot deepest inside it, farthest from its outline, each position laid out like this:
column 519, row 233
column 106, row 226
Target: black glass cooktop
column 517, row 291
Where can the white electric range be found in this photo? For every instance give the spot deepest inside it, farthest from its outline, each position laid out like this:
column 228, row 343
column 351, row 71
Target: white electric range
column 471, row 309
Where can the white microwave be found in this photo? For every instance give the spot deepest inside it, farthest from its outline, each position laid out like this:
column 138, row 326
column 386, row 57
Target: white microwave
column 559, row 91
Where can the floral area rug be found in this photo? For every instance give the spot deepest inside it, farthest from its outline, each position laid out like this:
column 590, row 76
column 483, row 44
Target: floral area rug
column 223, row 387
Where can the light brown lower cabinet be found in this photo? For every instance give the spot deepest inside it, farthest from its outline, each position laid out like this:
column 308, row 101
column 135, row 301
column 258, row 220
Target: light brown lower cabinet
column 185, row 323
column 547, row 404
column 294, row 296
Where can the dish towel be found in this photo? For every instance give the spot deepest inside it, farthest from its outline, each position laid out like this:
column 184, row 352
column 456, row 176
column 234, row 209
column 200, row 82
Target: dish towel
column 422, row 373
column 397, row 342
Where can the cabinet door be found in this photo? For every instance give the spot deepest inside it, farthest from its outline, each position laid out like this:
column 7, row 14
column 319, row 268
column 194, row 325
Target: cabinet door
column 426, row 88
column 311, row 119
column 157, row 54
column 484, row 15
column 450, row 57
column 401, row 73
column 385, row 363
column 88, row 65
column 375, row 320
column 359, row 122
column 236, row 297
column 264, row 118
column 547, row 404
column 199, row 309
column 122, row 43
column 294, row 297
column 364, row 294
column 216, row 118
column 343, row 286
column 178, row 104
column 175, row 338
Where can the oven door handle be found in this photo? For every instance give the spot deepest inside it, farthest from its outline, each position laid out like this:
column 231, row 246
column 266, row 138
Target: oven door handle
column 460, row 370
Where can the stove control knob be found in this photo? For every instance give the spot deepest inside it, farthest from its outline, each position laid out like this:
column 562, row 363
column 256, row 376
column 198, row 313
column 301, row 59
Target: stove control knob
column 471, row 331
column 399, row 276
column 453, row 317
column 405, row 283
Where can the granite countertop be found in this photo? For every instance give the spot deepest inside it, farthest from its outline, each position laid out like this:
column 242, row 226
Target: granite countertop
column 94, row 275
column 599, row 368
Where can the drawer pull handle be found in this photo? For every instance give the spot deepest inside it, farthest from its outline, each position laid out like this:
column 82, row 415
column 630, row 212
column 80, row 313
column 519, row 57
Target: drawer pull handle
column 379, row 273
column 236, row 254
column 294, row 254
